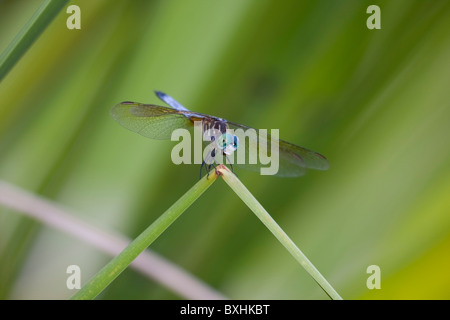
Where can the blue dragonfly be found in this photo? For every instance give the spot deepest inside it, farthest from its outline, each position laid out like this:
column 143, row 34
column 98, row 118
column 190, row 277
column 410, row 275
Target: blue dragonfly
column 158, row 122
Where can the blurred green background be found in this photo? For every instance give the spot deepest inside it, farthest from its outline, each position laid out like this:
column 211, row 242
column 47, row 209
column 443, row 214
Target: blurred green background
column 374, row 102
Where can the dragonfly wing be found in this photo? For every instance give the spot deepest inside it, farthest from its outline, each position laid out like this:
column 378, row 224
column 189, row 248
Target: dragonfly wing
column 151, row 121
column 170, row 101
column 293, row 160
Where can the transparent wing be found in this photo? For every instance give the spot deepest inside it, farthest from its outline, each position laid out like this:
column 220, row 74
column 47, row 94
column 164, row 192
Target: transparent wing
column 151, row 121
column 293, row 160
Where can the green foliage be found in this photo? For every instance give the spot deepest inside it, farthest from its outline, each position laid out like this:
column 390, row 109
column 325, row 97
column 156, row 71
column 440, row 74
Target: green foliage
column 29, row 33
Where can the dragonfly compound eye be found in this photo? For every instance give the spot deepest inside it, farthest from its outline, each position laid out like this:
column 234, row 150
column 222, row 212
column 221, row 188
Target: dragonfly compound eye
column 236, row 142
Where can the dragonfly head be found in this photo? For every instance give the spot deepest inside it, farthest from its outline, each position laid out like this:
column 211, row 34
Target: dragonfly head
column 228, row 143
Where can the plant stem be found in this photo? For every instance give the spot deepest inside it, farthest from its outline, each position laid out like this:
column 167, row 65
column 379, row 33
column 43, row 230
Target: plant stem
column 268, row 221
column 29, row 33
column 106, row 275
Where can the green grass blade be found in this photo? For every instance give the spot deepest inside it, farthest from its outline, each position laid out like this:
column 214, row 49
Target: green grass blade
column 29, row 33
column 268, row 221
column 106, row 275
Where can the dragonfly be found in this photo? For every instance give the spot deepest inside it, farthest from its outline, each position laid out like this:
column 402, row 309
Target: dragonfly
column 158, row 122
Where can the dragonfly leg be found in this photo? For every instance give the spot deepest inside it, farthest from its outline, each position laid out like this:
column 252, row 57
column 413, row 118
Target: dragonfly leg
column 207, row 165
column 215, row 168
column 201, row 168
column 213, row 155
column 208, row 169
